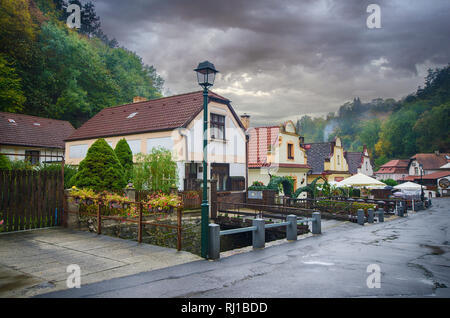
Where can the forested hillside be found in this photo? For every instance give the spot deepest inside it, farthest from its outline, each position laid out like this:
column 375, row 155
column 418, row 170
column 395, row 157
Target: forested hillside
column 49, row 70
column 389, row 128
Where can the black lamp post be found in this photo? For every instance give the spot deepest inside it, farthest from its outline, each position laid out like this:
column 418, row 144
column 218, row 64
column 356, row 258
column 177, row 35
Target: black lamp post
column 422, row 195
column 206, row 73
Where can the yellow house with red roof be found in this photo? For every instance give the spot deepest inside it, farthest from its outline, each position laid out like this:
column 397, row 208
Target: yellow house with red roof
column 276, row 150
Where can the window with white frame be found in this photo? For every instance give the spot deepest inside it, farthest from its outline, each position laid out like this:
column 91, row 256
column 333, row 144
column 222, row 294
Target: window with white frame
column 78, row 151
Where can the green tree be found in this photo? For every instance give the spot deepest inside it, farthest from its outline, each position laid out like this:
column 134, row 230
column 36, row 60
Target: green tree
column 432, row 129
column 156, row 171
column 5, row 164
column 100, row 170
column 125, row 155
column 17, row 30
column 369, row 133
column 11, row 95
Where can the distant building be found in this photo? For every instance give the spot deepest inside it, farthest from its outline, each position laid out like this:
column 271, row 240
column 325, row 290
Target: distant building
column 396, row 169
column 427, row 163
column 276, row 150
column 33, row 138
column 359, row 162
column 327, row 159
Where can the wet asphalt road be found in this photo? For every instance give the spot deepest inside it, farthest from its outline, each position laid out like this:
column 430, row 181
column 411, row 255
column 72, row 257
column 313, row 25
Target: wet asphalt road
column 413, row 254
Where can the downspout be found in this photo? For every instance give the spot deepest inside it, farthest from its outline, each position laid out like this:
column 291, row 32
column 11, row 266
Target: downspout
column 181, row 131
column 247, row 138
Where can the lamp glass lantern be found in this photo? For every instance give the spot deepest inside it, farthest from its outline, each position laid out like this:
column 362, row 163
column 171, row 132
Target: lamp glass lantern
column 206, row 74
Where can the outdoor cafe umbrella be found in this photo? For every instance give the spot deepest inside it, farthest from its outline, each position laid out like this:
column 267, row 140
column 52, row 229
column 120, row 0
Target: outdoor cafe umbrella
column 361, row 180
column 408, row 186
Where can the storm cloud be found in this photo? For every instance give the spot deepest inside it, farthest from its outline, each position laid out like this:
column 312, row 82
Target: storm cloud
column 281, row 59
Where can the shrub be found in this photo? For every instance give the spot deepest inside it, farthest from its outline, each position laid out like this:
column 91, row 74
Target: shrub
column 156, row 171
column 390, row 182
column 100, row 170
column 125, row 156
column 282, row 183
column 5, row 163
column 340, row 206
column 257, row 186
column 69, row 171
column 21, row 165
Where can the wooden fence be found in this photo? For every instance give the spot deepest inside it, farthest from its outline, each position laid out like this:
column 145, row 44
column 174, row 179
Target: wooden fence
column 30, row 199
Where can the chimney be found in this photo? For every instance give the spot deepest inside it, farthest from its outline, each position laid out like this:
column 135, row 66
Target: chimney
column 138, row 99
column 301, row 140
column 436, row 152
column 245, row 119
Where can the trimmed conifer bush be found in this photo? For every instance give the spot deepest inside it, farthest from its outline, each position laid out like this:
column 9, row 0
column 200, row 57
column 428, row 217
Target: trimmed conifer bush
column 125, row 156
column 100, row 170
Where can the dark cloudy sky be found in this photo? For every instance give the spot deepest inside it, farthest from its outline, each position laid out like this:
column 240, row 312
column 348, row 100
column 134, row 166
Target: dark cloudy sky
column 282, row 59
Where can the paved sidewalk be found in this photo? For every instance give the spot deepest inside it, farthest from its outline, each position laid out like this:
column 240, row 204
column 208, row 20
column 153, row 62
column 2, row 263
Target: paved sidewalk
column 35, row 262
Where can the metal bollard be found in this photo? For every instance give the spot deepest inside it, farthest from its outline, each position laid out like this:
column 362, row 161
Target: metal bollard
column 291, row 229
column 370, row 214
column 316, row 223
column 400, row 211
column 214, row 241
column 360, row 217
column 380, row 215
column 258, row 236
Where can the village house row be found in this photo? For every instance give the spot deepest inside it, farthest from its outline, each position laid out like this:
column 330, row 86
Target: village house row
column 238, row 154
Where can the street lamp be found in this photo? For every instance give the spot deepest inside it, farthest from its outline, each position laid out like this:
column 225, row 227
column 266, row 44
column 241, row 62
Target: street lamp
column 206, row 73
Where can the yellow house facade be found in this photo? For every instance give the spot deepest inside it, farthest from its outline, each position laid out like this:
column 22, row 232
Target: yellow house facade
column 276, row 150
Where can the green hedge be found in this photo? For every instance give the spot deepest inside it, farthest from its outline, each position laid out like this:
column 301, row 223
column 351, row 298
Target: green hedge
column 344, row 206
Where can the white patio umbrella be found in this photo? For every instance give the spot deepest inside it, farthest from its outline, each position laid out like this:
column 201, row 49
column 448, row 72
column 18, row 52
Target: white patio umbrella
column 361, row 180
column 408, row 186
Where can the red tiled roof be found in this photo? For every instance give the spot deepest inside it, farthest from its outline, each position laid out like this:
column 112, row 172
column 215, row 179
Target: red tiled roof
column 435, row 175
column 409, row 178
column 432, row 161
column 395, row 166
column 33, row 131
column 431, row 176
column 260, row 140
column 153, row 115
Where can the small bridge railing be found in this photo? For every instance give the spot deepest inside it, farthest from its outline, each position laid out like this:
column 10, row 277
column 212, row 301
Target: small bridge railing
column 258, row 231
